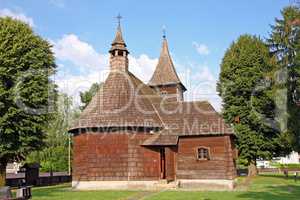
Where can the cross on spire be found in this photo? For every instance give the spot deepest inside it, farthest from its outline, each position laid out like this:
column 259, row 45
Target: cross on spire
column 119, row 17
column 164, row 31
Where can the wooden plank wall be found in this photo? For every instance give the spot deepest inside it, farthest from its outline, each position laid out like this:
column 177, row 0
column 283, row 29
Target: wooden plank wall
column 220, row 165
column 114, row 156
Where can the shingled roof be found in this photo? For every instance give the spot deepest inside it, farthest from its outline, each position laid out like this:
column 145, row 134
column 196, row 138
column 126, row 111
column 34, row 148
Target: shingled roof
column 160, row 139
column 123, row 101
column 165, row 73
column 191, row 118
column 187, row 119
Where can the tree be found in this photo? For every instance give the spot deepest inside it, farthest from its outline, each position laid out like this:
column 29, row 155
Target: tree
column 284, row 43
column 55, row 154
column 26, row 91
column 247, row 99
column 87, row 96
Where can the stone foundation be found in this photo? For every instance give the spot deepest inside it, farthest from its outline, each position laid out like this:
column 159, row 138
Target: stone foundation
column 114, row 185
column 209, row 184
column 213, row 185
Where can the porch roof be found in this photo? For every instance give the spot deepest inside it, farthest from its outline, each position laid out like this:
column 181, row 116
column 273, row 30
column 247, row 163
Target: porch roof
column 161, row 140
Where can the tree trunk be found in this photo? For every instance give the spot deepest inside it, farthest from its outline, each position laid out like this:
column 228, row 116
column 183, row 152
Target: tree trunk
column 252, row 169
column 2, row 173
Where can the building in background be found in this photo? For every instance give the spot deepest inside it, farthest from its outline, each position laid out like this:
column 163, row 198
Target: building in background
column 292, row 158
column 13, row 168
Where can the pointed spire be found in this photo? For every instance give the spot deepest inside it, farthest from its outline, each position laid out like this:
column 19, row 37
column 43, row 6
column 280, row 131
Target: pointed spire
column 165, row 73
column 118, row 42
column 165, row 54
column 118, row 38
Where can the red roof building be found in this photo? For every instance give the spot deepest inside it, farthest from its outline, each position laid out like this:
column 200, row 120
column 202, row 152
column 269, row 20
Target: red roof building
column 134, row 135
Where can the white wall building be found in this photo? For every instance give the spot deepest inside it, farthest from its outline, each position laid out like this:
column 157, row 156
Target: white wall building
column 292, row 158
column 13, row 168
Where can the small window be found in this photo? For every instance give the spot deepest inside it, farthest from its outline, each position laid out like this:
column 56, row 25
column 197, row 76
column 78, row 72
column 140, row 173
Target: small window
column 120, row 53
column 203, row 153
column 164, row 92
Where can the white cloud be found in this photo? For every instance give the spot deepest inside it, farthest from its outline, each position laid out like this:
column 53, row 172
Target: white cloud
column 74, row 84
column 92, row 66
column 202, row 86
column 17, row 15
column 204, row 75
column 142, row 66
column 83, row 55
column 57, row 3
column 202, row 49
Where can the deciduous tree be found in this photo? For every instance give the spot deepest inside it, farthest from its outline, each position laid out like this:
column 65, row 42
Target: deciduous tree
column 87, row 96
column 55, row 154
column 26, row 91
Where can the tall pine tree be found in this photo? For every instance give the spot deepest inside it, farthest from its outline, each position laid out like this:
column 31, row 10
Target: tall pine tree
column 247, row 99
column 284, row 43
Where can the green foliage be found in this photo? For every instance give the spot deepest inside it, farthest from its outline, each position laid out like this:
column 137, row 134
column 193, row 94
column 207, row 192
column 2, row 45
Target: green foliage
column 242, row 163
column 51, row 159
column 55, row 154
column 26, row 90
column 284, row 43
column 244, row 87
column 87, row 96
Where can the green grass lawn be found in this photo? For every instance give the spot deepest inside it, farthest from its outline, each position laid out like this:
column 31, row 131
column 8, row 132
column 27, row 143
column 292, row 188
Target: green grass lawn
column 263, row 187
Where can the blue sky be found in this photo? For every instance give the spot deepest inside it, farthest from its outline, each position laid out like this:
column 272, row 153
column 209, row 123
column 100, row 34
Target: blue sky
column 198, row 33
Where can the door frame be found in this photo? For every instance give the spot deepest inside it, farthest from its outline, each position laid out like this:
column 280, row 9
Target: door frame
column 162, row 153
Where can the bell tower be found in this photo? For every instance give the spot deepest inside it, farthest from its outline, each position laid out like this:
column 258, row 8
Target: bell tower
column 118, row 51
column 165, row 79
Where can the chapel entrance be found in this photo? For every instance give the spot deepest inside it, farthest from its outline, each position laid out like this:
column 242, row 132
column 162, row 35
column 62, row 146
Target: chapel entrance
column 162, row 163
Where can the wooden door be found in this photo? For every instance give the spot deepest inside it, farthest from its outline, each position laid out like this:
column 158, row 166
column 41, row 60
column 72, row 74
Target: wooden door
column 170, row 163
column 162, row 163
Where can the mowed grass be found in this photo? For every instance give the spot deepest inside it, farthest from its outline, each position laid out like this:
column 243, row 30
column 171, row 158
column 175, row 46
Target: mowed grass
column 263, row 187
column 65, row 192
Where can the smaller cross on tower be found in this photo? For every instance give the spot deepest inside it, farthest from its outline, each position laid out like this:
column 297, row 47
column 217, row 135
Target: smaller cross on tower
column 119, row 17
column 164, row 31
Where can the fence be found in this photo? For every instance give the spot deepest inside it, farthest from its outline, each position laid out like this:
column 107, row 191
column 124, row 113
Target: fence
column 277, row 170
column 44, row 179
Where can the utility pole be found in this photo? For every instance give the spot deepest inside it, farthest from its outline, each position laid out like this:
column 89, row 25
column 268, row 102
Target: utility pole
column 69, row 154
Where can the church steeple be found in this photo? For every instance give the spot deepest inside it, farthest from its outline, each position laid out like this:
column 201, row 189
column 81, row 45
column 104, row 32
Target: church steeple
column 118, row 51
column 119, row 38
column 165, row 77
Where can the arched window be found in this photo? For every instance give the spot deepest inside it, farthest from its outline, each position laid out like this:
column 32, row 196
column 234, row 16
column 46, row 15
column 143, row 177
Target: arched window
column 120, row 53
column 203, row 153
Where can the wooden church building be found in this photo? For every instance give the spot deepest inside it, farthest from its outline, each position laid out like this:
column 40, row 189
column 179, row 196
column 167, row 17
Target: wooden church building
column 138, row 135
